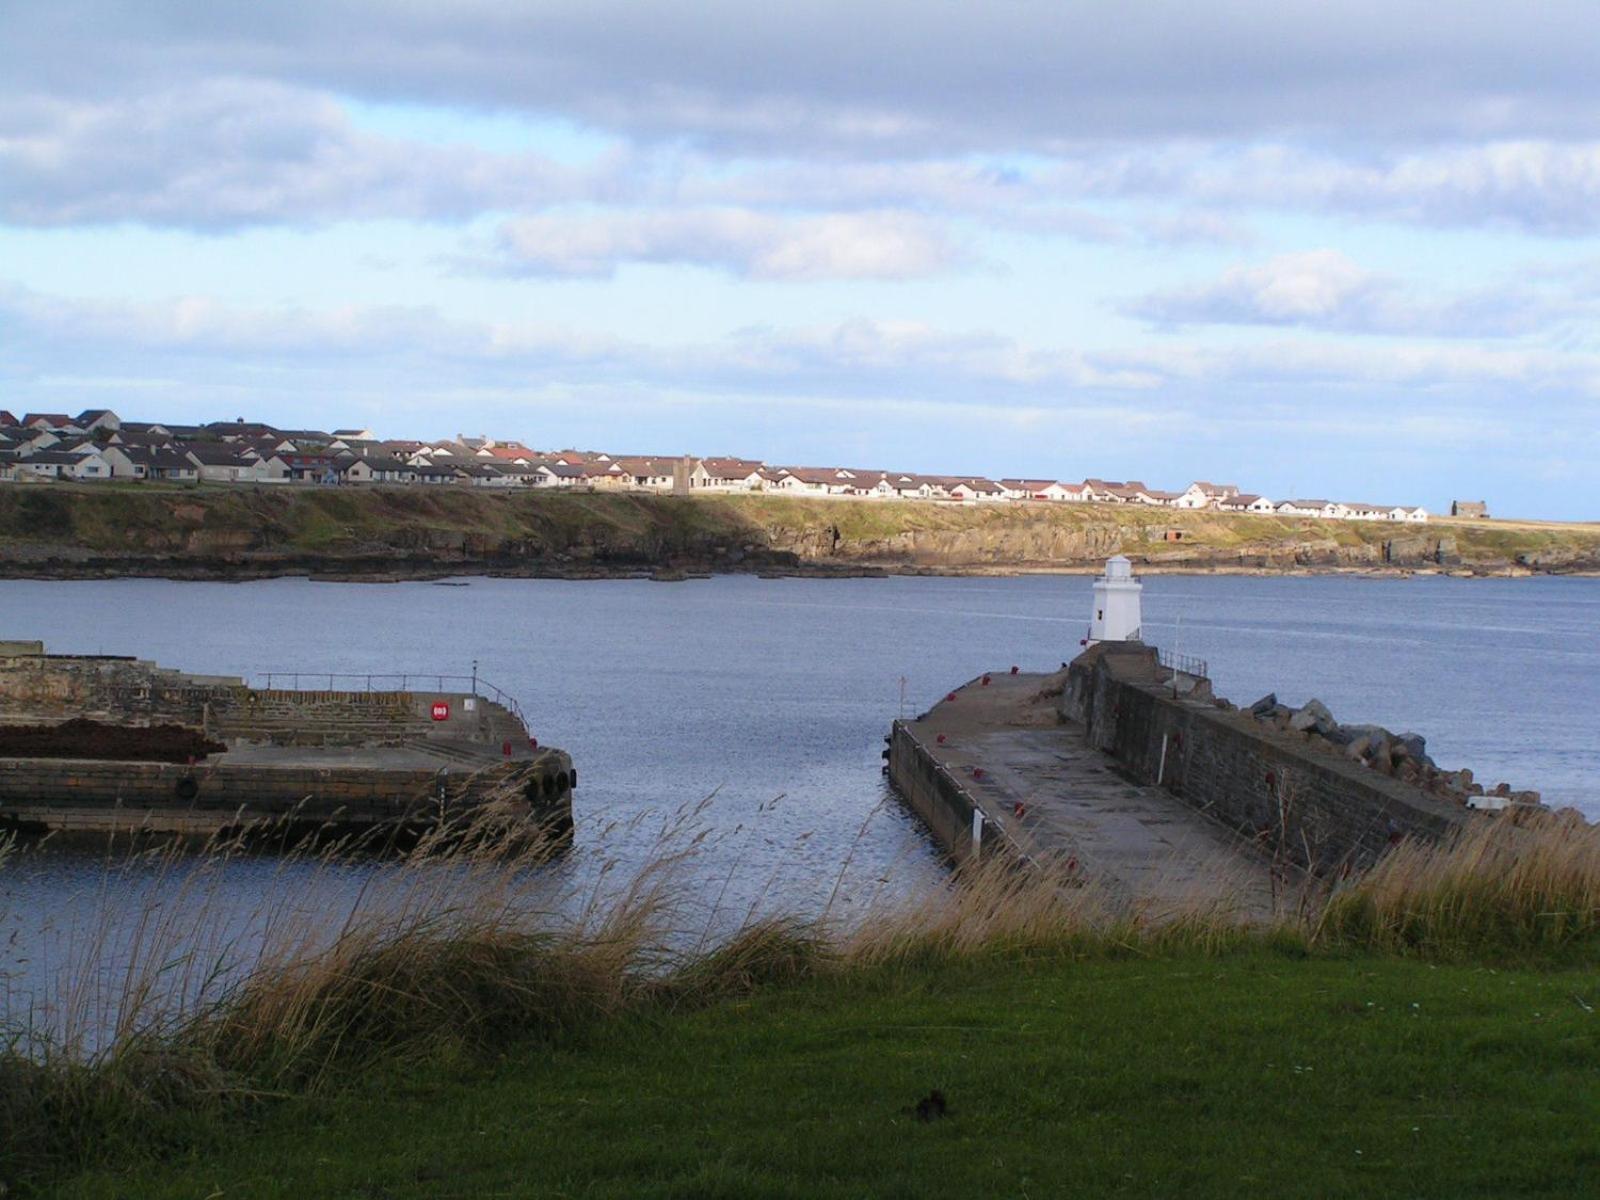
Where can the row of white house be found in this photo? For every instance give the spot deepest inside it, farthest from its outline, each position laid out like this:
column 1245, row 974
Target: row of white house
column 96, row 445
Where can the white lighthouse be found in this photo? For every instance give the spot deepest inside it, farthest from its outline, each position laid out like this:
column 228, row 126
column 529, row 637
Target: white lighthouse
column 1116, row 604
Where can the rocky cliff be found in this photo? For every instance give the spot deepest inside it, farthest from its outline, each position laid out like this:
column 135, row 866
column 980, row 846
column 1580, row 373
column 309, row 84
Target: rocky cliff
column 237, row 532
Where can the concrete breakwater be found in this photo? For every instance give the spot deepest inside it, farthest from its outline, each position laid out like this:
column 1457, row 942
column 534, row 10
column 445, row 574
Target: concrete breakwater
column 362, row 762
column 1135, row 774
column 994, row 770
column 1320, row 810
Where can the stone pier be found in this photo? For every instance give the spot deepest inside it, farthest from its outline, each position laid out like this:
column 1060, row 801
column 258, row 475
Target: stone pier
column 372, row 764
column 997, row 748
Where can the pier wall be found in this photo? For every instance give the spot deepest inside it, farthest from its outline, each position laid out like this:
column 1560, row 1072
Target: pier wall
column 1318, row 811
column 76, row 795
column 37, row 688
column 943, row 801
column 328, row 760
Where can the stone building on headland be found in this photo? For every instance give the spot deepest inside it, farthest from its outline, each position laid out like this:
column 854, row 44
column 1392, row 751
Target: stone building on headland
column 1469, row 508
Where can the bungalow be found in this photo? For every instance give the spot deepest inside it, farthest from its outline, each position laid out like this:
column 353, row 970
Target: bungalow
column 1067, row 493
column 238, row 430
column 1155, row 497
column 64, row 464
column 520, row 455
column 973, row 491
column 7, row 421
column 1408, row 513
column 767, row 479
column 819, row 481
column 149, row 462
column 652, row 474
column 485, row 475
column 313, row 468
column 725, row 474
column 1325, row 509
column 91, row 419
column 1026, row 489
column 1363, row 512
column 171, row 465
column 223, row 462
column 559, row 475
column 1110, row 491
column 435, row 475
column 518, row 474
column 608, row 476
column 51, row 421
column 363, row 469
column 124, row 437
column 355, row 435
column 149, row 427
column 1246, row 502
column 1201, row 494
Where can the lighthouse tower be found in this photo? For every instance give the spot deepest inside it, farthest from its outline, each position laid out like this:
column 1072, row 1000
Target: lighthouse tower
column 1116, row 604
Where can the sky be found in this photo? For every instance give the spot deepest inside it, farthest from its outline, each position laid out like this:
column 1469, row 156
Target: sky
column 1346, row 251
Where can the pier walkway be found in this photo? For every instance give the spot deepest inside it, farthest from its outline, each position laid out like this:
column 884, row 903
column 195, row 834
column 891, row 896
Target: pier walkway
column 1049, row 794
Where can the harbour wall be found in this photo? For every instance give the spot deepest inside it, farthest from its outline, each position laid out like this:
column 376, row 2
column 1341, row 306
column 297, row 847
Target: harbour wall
column 1317, row 811
column 40, row 795
column 944, row 802
column 325, row 760
column 41, row 688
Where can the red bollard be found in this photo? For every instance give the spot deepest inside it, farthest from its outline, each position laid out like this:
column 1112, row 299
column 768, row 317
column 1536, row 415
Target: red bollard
column 505, row 749
column 1019, row 809
column 985, row 681
column 533, row 742
column 1014, row 669
column 951, row 696
column 977, row 772
column 940, row 739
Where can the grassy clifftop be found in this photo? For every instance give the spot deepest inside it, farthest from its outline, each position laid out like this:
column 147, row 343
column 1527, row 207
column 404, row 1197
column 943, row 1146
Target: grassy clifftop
column 241, row 531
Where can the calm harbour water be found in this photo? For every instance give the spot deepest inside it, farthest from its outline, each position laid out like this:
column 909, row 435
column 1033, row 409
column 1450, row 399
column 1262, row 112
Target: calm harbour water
column 773, row 696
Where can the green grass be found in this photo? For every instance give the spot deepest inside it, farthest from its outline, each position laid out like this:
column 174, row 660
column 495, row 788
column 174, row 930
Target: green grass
column 1251, row 1072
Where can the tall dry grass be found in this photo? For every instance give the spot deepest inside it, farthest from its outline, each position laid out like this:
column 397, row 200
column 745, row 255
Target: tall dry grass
column 458, row 944
column 1499, row 887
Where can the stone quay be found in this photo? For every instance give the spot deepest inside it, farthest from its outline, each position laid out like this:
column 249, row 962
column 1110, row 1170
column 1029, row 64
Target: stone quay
column 98, row 744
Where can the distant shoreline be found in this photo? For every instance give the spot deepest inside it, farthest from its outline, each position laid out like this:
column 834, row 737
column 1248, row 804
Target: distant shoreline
column 336, row 572
column 379, row 534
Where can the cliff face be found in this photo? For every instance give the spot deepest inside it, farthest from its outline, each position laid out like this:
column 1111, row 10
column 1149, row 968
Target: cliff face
column 240, row 532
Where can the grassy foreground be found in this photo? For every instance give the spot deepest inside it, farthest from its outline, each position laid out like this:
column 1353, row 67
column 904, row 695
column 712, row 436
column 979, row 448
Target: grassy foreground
column 1428, row 1028
column 1253, row 1071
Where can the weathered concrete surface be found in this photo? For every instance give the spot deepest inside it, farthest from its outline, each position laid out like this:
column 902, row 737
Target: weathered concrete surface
column 1045, row 793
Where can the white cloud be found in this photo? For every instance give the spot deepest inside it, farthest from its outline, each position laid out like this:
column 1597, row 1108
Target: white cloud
column 227, row 153
column 879, row 245
column 1325, row 290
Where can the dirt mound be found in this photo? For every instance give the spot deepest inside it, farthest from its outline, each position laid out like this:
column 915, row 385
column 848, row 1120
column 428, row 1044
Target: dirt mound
column 81, row 738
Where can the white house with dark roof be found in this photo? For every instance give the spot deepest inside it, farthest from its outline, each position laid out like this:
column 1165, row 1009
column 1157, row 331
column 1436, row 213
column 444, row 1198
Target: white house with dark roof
column 1308, row 508
column 1201, row 494
column 1246, row 502
column 91, row 419
column 977, row 491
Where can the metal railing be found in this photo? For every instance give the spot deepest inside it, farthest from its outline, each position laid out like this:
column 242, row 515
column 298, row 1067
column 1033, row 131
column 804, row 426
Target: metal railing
column 335, row 681
column 1186, row 664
